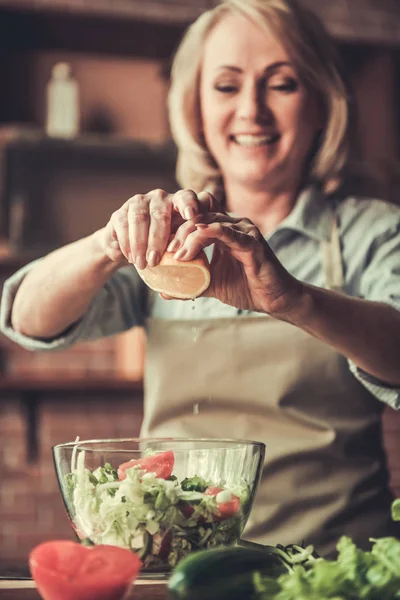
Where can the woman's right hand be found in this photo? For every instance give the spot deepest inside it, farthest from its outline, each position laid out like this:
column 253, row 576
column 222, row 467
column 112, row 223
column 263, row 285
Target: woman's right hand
column 139, row 232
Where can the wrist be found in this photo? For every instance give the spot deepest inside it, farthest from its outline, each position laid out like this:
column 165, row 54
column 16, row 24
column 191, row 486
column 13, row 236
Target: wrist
column 294, row 306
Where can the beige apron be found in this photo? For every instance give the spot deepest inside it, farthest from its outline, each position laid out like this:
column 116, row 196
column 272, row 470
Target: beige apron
column 262, row 379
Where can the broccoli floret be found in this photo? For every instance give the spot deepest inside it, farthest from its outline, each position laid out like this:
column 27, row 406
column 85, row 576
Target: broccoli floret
column 194, row 484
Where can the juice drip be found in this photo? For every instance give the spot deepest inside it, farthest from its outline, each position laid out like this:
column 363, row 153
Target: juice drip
column 196, row 405
column 194, row 328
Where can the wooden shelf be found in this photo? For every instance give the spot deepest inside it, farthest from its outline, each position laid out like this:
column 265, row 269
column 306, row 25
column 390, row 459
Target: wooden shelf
column 119, row 150
column 111, row 28
column 161, row 11
column 96, row 385
column 152, row 28
column 43, row 176
column 26, row 590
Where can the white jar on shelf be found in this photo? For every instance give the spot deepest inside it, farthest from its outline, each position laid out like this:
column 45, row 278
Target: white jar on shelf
column 62, row 119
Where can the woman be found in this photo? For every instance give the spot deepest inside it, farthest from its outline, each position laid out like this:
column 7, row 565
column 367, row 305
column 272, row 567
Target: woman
column 296, row 340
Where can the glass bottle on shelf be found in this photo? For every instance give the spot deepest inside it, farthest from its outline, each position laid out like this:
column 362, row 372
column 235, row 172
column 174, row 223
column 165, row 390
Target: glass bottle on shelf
column 62, row 118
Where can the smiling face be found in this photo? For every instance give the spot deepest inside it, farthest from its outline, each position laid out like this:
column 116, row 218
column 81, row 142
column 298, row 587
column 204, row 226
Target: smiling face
column 259, row 119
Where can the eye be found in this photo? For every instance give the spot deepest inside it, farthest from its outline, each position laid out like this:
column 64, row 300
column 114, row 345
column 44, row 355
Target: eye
column 287, row 86
column 226, row 88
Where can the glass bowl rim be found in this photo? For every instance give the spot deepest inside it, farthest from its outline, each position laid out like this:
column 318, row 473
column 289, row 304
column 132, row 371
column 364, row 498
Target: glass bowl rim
column 179, row 440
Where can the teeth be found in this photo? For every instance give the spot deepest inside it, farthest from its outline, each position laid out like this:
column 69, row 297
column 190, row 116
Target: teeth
column 251, row 141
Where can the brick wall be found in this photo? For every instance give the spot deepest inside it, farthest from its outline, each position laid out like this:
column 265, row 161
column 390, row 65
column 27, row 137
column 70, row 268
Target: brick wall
column 116, row 356
column 31, row 509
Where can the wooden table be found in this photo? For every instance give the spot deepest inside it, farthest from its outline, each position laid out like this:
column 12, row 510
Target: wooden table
column 26, row 590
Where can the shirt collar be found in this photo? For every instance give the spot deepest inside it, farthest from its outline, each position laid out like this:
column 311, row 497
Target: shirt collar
column 311, row 215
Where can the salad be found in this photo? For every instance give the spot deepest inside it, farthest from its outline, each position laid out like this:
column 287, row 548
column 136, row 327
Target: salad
column 143, row 507
column 292, row 572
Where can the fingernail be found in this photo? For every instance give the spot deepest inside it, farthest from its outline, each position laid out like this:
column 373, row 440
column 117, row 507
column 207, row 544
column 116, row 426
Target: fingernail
column 189, row 212
column 174, row 245
column 153, row 259
column 201, row 225
column 140, row 262
column 180, row 254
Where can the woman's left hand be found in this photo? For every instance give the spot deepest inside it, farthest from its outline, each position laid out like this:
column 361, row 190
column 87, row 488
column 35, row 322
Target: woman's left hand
column 245, row 272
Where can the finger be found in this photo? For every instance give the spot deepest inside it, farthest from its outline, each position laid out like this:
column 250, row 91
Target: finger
column 206, row 203
column 180, row 236
column 160, row 226
column 189, row 227
column 186, row 203
column 117, row 232
column 192, row 243
column 218, row 217
column 138, row 220
column 233, row 238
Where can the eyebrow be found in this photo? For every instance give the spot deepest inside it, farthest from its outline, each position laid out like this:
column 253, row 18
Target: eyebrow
column 271, row 67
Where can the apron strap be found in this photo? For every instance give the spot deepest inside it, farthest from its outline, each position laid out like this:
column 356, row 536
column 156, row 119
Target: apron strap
column 332, row 259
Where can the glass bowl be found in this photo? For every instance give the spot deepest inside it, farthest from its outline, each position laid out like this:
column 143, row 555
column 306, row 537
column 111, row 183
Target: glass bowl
column 161, row 498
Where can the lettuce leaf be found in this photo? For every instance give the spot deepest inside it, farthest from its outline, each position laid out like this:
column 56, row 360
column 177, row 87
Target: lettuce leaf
column 396, row 510
column 355, row 575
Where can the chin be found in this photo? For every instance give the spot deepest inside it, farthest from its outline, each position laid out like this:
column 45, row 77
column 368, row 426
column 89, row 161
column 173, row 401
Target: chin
column 251, row 178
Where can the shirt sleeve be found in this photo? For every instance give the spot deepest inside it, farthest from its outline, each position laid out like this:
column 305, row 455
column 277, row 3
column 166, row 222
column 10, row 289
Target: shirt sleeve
column 117, row 307
column 380, row 282
column 387, row 394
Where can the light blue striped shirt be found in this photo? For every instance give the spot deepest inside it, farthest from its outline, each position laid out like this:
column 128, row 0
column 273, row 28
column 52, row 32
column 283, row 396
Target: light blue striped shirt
column 369, row 232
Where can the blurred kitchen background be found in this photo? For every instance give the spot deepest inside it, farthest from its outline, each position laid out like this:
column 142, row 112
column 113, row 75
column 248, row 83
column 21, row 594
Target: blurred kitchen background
column 54, row 190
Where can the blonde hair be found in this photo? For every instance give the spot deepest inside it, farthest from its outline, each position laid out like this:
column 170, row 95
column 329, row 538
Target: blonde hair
column 313, row 53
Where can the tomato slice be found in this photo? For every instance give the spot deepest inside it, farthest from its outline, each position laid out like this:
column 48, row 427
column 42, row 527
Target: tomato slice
column 229, row 509
column 225, row 509
column 65, row 570
column 186, row 509
column 161, row 464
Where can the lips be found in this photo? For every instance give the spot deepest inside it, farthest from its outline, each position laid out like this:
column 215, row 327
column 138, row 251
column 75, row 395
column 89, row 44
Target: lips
column 254, row 140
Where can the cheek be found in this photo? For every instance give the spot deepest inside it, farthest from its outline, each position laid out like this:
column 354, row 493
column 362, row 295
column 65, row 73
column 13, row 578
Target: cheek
column 300, row 122
column 214, row 125
column 297, row 113
column 210, row 133
column 207, row 114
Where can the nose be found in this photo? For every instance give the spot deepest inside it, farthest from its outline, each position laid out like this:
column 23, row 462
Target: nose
column 253, row 105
